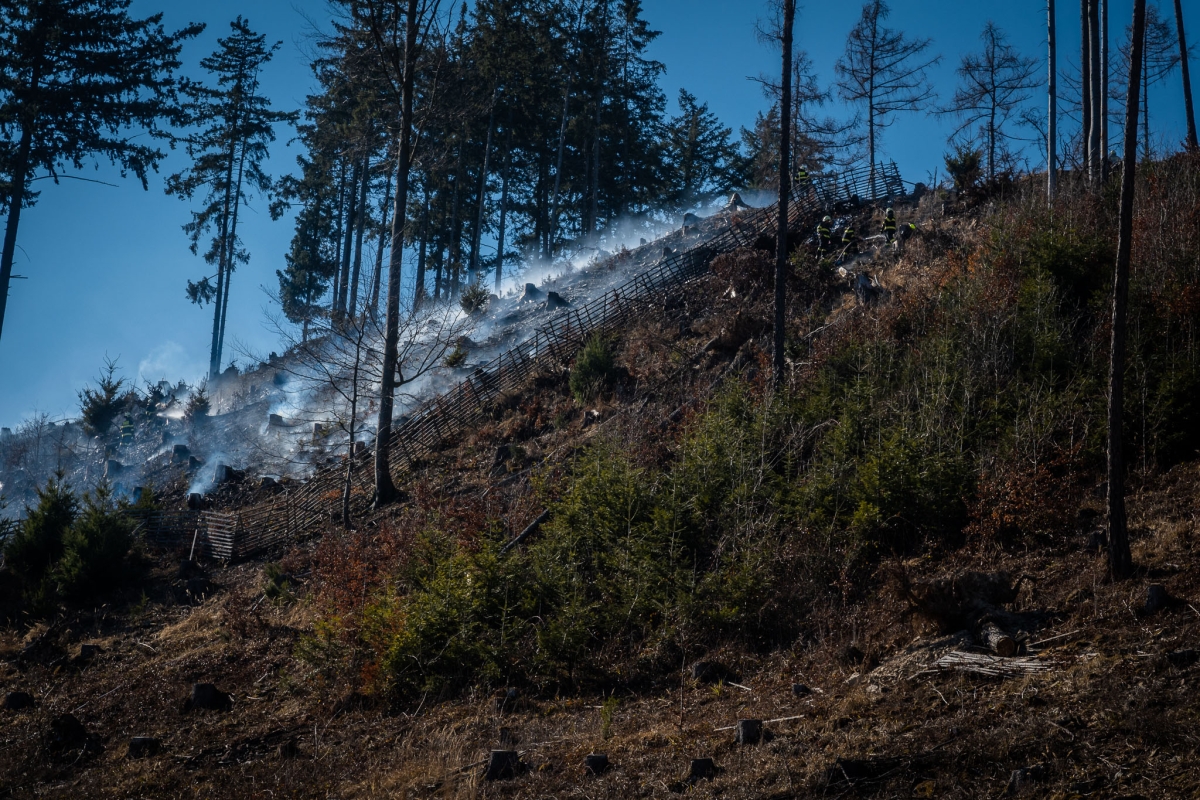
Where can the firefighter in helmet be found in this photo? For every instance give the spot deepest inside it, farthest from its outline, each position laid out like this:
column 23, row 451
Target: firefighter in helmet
column 824, row 235
column 889, row 225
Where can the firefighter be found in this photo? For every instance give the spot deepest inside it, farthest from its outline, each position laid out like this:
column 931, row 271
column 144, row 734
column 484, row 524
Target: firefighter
column 824, row 235
column 849, row 237
column 889, row 225
column 906, row 231
column 127, row 432
column 802, row 179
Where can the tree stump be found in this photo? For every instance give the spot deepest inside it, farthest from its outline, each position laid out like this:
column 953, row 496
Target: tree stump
column 701, row 769
column 142, row 746
column 208, row 696
column 18, row 701
column 596, row 763
column 502, row 764
column 749, row 731
column 1157, row 598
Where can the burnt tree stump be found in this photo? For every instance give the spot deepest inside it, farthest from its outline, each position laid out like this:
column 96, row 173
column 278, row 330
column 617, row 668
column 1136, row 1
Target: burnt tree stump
column 502, row 765
column 749, row 731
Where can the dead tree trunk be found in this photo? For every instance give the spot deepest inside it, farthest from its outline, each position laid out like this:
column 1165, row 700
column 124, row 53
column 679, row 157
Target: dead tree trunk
column 785, row 170
column 1097, row 107
column 1052, row 130
column 1085, row 88
column 1104, row 90
column 1120, row 562
column 1187, row 79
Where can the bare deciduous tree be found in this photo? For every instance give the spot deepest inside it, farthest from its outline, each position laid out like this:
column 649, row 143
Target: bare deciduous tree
column 884, row 70
column 995, row 84
column 339, row 364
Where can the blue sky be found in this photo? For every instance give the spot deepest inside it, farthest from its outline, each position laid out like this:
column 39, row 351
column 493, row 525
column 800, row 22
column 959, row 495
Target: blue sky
column 107, row 266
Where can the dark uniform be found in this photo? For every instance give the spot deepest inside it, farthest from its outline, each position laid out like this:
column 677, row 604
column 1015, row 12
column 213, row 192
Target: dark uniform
column 802, row 178
column 889, row 225
column 127, row 432
column 824, row 236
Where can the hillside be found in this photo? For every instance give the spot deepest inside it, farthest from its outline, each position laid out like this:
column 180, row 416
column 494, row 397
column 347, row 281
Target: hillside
column 827, row 558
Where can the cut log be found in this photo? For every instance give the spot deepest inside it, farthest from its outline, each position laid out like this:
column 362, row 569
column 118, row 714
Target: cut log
column 997, row 640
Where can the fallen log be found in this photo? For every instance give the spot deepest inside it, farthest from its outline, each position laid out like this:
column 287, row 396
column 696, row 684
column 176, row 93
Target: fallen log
column 997, row 640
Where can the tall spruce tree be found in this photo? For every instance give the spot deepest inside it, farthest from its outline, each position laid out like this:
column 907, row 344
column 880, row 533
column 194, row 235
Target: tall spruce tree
column 701, row 156
column 227, row 155
column 77, row 78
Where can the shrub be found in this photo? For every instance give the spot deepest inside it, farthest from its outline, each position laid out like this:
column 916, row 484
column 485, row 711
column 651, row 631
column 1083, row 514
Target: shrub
column 965, row 166
column 198, row 406
column 38, row 542
column 95, row 548
column 594, row 368
column 100, row 406
column 455, row 357
column 474, row 299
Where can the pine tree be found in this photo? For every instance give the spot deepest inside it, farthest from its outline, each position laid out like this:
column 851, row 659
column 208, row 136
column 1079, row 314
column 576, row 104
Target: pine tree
column 227, row 156
column 99, row 407
column 75, row 77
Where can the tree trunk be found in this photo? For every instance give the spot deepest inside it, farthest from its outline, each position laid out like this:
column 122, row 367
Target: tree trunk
column 1145, row 105
column 562, row 143
column 503, row 204
column 377, row 280
column 1104, row 90
column 231, row 247
column 364, row 184
column 1085, row 85
column 214, row 358
column 1094, row 170
column 483, row 176
column 348, row 246
column 455, row 231
column 1120, row 562
column 1187, row 80
column 20, row 177
column 348, row 486
column 785, row 174
column 419, row 286
column 385, row 489
column 1052, row 130
column 336, row 283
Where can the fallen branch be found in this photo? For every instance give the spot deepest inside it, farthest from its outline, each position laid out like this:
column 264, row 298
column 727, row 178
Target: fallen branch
column 529, row 531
